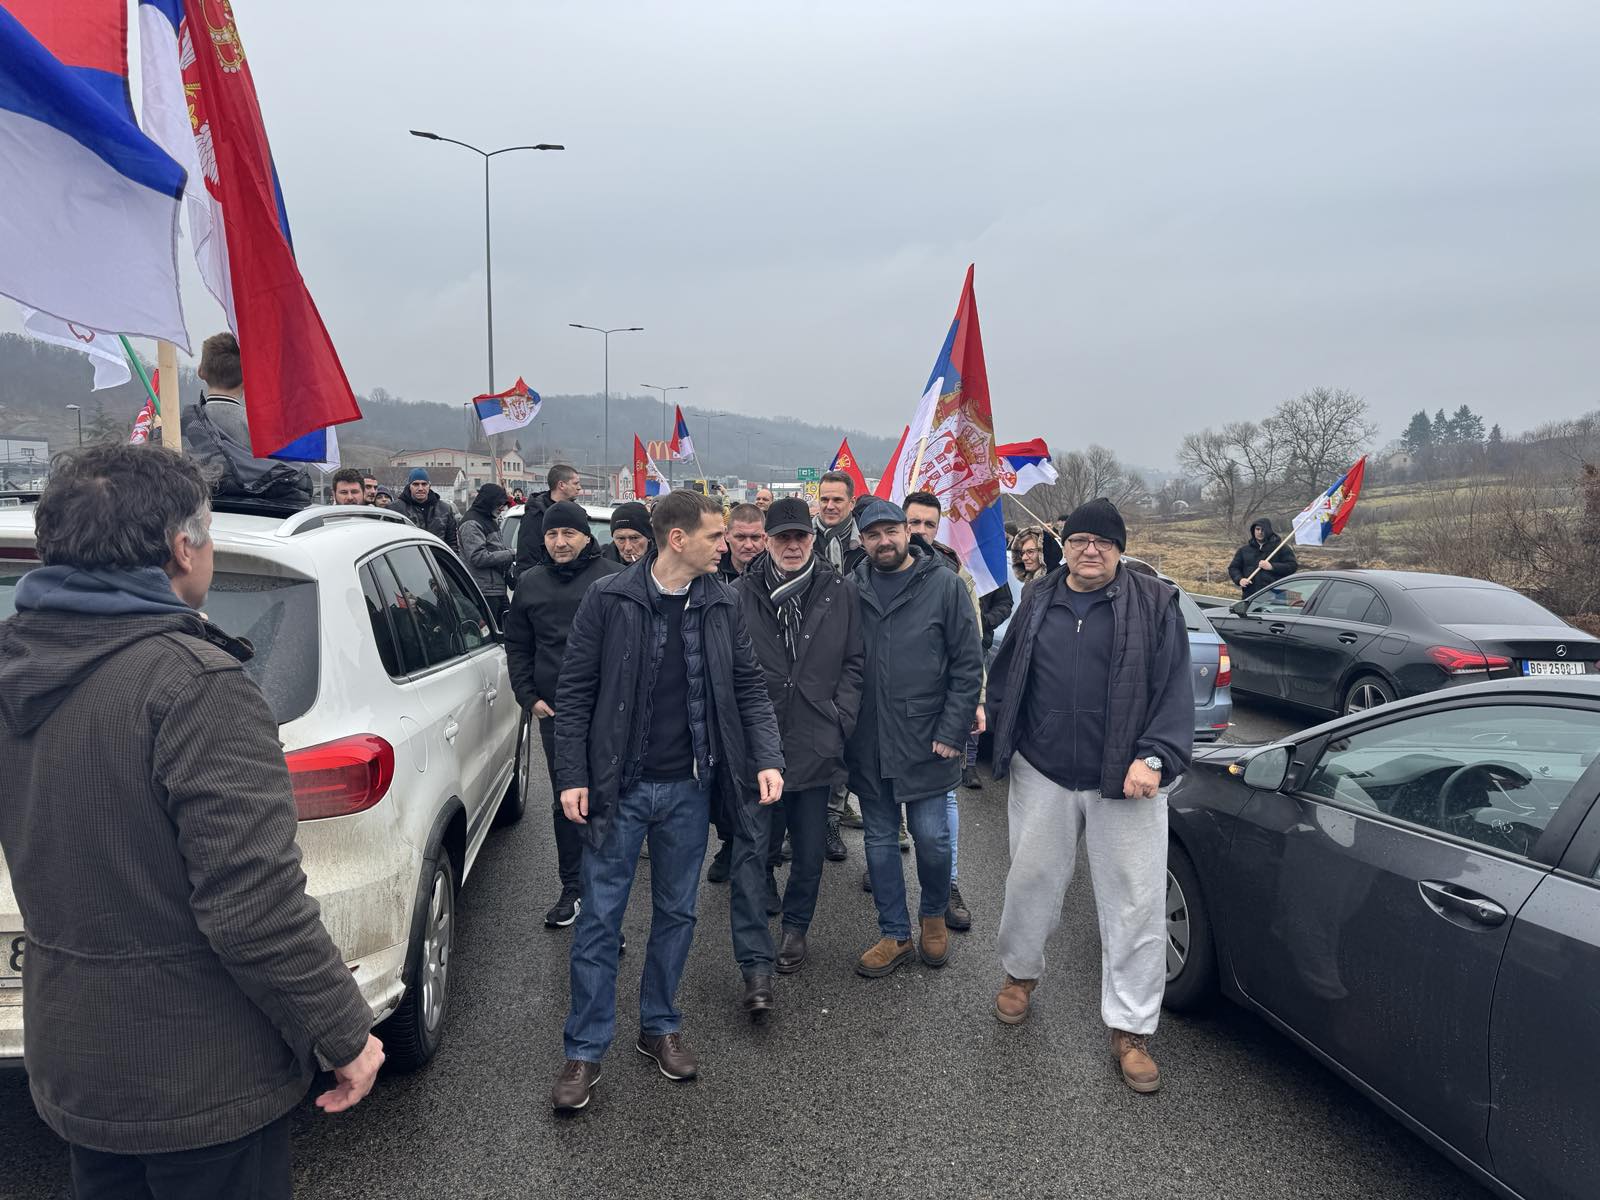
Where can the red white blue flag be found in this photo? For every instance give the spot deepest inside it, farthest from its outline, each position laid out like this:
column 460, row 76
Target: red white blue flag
column 1330, row 512
column 845, row 461
column 1024, row 466
column 511, row 409
column 682, row 445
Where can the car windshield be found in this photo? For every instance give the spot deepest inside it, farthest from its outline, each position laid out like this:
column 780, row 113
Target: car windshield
column 598, row 528
column 277, row 616
column 1481, row 606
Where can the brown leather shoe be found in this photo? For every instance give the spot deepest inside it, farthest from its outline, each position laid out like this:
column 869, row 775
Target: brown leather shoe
column 885, row 957
column 673, row 1056
column 935, row 941
column 1011, row 1005
column 1139, row 1070
column 573, row 1085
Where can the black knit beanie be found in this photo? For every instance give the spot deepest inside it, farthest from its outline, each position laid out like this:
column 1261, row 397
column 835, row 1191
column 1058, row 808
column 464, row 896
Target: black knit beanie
column 634, row 516
column 564, row 514
column 1100, row 518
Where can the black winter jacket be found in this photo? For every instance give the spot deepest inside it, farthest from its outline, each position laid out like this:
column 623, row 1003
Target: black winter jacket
column 607, row 686
column 436, row 516
column 542, row 609
column 920, row 682
column 816, row 697
column 530, row 534
column 1150, row 701
column 1248, row 557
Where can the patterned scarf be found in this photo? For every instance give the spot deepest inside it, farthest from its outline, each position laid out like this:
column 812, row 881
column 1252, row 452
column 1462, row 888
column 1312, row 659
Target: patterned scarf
column 835, row 543
column 788, row 592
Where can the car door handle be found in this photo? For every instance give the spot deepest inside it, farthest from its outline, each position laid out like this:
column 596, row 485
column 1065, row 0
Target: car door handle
column 451, row 729
column 1349, row 639
column 1470, row 905
column 1276, row 627
column 492, row 695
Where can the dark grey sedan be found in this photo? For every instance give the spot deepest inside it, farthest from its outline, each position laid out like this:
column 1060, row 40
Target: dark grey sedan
column 1413, row 893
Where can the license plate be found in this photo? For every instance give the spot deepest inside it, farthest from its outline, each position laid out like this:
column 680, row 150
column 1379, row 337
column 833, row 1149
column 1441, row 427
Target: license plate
column 11, row 947
column 1553, row 668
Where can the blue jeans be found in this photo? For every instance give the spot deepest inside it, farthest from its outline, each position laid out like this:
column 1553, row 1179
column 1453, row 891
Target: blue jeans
column 930, row 831
column 675, row 817
column 953, row 814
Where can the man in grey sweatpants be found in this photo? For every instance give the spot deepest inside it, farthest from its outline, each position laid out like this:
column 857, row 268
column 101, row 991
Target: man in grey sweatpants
column 1093, row 713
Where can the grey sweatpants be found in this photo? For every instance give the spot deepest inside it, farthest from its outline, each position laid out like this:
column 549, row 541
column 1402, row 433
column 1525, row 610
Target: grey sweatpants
column 1126, row 841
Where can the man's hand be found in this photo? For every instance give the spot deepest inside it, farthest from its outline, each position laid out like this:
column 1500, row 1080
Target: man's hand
column 541, row 709
column 1141, row 783
column 944, row 751
column 771, row 782
column 575, row 803
column 980, row 723
column 354, row 1079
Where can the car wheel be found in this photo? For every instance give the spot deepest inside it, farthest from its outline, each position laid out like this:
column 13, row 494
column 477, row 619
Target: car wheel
column 412, row 1035
column 1191, row 952
column 515, row 802
column 1367, row 691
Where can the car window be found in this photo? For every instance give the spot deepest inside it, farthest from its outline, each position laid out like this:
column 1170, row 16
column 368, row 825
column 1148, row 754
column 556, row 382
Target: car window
column 1481, row 606
column 378, row 615
column 1287, row 599
column 473, row 622
column 1493, row 774
column 508, row 530
column 1194, row 619
column 420, row 595
column 1342, row 600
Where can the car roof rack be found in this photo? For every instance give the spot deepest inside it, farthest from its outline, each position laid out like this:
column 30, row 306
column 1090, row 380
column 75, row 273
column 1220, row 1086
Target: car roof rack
column 307, row 519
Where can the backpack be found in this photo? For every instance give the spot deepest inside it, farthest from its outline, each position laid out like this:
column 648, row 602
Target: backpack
column 215, row 435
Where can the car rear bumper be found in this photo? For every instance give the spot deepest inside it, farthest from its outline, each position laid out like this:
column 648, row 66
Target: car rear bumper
column 1211, row 720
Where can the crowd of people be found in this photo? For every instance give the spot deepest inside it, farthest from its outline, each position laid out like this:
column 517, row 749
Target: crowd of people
column 769, row 672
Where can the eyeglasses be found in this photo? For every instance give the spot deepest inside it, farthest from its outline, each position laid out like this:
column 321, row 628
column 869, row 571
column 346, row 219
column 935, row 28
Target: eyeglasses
column 1080, row 542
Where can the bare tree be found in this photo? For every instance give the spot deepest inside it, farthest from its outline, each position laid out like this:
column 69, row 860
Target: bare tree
column 1081, row 475
column 1322, row 432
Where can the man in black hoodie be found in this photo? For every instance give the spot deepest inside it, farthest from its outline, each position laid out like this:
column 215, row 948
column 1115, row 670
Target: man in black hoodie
column 541, row 614
column 1250, row 568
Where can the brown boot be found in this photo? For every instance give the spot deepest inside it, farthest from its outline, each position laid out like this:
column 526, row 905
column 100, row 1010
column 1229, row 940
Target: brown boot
column 885, row 957
column 1011, row 1005
column 1139, row 1070
column 935, row 941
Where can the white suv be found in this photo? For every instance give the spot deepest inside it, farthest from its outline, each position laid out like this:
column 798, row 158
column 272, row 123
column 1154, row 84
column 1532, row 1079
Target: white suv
column 384, row 668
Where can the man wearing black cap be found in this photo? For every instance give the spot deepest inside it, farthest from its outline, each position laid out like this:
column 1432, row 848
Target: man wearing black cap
column 920, row 686
column 1093, row 713
column 485, row 551
column 631, row 538
column 803, row 621
column 536, row 637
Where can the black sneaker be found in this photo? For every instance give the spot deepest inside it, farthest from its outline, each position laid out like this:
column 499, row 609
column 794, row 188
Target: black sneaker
column 721, row 865
column 969, row 779
column 833, row 845
column 565, row 910
column 956, row 915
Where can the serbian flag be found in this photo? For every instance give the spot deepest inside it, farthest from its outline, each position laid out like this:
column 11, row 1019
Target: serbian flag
column 1330, row 512
column 89, row 226
column 845, row 461
column 293, row 383
column 682, row 445
column 1024, row 466
column 647, row 477
column 950, row 450
column 891, row 472
column 508, row 410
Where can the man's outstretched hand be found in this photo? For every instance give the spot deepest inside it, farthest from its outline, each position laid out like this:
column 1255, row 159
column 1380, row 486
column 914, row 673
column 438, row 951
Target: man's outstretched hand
column 353, row 1080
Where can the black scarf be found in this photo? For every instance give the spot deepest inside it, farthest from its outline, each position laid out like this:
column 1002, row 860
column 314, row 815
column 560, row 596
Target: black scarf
column 788, row 592
column 568, row 571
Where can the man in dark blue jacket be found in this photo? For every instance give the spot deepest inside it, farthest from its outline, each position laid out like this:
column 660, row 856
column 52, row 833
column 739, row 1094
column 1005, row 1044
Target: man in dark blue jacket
column 1093, row 713
column 661, row 711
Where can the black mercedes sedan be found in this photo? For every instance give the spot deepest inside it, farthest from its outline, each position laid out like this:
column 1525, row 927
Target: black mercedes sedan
column 1413, row 894
column 1343, row 641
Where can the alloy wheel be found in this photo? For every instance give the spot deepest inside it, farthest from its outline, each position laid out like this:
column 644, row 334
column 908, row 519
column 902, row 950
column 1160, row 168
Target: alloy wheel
column 1368, row 695
column 1178, row 932
column 437, row 941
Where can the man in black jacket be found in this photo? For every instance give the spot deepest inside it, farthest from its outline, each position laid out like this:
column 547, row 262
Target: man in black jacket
column 426, row 509
column 661, row 711
column 803, row 619
column 180, row 988
column 537, row 626
column 565, row 484
column 1093, row 716
column 920, row 686
column 1250, row 568
column 631, row 536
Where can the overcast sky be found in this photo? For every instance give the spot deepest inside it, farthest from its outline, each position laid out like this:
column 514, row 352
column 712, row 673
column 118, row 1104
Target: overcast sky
column 1180, row 213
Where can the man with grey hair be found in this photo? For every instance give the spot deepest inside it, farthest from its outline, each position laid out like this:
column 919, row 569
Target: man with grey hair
column 180, row 988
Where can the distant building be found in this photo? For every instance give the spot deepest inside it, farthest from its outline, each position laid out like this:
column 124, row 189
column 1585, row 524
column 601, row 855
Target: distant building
column 24, row 461
column 478, row 469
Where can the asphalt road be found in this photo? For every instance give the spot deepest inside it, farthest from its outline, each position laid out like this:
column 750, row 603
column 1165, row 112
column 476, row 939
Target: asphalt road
column 905, row 1086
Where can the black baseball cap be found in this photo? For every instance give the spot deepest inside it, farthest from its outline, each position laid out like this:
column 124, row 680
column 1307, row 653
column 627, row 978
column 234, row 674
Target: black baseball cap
column 790, row 513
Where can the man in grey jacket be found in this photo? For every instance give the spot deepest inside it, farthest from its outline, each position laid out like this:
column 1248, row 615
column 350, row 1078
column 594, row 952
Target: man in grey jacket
column 919, row 694
column 181, row 991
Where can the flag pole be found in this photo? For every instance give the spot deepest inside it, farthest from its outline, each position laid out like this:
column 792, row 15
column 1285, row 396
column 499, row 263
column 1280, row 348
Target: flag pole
column 916, row 467
column 1043, row 524
column 138, row 369
column 171, row 407
column 1282, row 542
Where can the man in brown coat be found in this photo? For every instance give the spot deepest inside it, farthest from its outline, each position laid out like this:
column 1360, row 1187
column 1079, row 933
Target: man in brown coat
column 180, row 988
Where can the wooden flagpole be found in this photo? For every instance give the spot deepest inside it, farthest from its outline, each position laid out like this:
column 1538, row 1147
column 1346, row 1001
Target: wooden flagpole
column 1043, row 524
column 171, row 418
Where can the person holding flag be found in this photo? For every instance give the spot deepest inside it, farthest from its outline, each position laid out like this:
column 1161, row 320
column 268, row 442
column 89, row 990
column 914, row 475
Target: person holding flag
column 1265, row 558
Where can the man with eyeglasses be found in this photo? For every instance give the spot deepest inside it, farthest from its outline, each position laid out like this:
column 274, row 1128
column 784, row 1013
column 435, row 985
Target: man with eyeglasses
column 1093, row 713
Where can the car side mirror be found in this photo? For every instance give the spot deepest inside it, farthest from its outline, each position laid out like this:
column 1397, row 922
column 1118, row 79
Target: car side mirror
column 1239, row 608
column 1268, row 770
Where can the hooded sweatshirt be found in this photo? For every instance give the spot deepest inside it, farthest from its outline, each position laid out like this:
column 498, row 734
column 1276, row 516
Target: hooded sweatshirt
column 1247, row 558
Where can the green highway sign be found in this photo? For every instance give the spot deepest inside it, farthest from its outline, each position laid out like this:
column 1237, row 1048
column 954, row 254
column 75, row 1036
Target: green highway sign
column 807, row 474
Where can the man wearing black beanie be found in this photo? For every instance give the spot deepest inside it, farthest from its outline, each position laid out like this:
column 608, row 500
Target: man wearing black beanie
column 631, row 538
column 1093, row 713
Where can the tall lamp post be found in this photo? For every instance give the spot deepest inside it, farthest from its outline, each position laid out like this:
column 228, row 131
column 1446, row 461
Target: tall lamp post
column 656, row 387
column 607, row 335
column 488, row 270
column 77, row 412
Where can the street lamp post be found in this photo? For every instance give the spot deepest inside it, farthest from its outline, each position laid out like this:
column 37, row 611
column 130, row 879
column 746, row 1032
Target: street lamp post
column 656, row 387
column 488, row 270
column 78, row 412
column 607, row 336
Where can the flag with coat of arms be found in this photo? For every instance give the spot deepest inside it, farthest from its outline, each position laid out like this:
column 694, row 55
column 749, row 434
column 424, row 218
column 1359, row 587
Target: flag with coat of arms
column 513, row 408
column 1024, row 466
column 682, row 445
column 845, row 460
column 1330, row 512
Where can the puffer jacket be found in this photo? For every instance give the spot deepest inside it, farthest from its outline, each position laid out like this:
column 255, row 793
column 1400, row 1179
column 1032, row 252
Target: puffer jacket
column 607, row 686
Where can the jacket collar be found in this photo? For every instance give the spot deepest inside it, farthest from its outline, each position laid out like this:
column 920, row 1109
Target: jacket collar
column 923, row 562
column 634, row 582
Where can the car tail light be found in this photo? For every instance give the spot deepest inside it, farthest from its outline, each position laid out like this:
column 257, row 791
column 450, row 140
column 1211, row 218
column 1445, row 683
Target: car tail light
column 1467, row 662
column 1224, row 669
column 338, row 778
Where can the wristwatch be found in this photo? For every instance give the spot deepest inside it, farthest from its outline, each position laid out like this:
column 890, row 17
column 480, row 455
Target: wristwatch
column 1153, row 763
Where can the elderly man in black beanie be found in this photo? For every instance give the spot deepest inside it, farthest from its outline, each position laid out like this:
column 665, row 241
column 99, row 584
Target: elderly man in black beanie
column 541, row 614
column 1093, row 714
column 631, row 538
